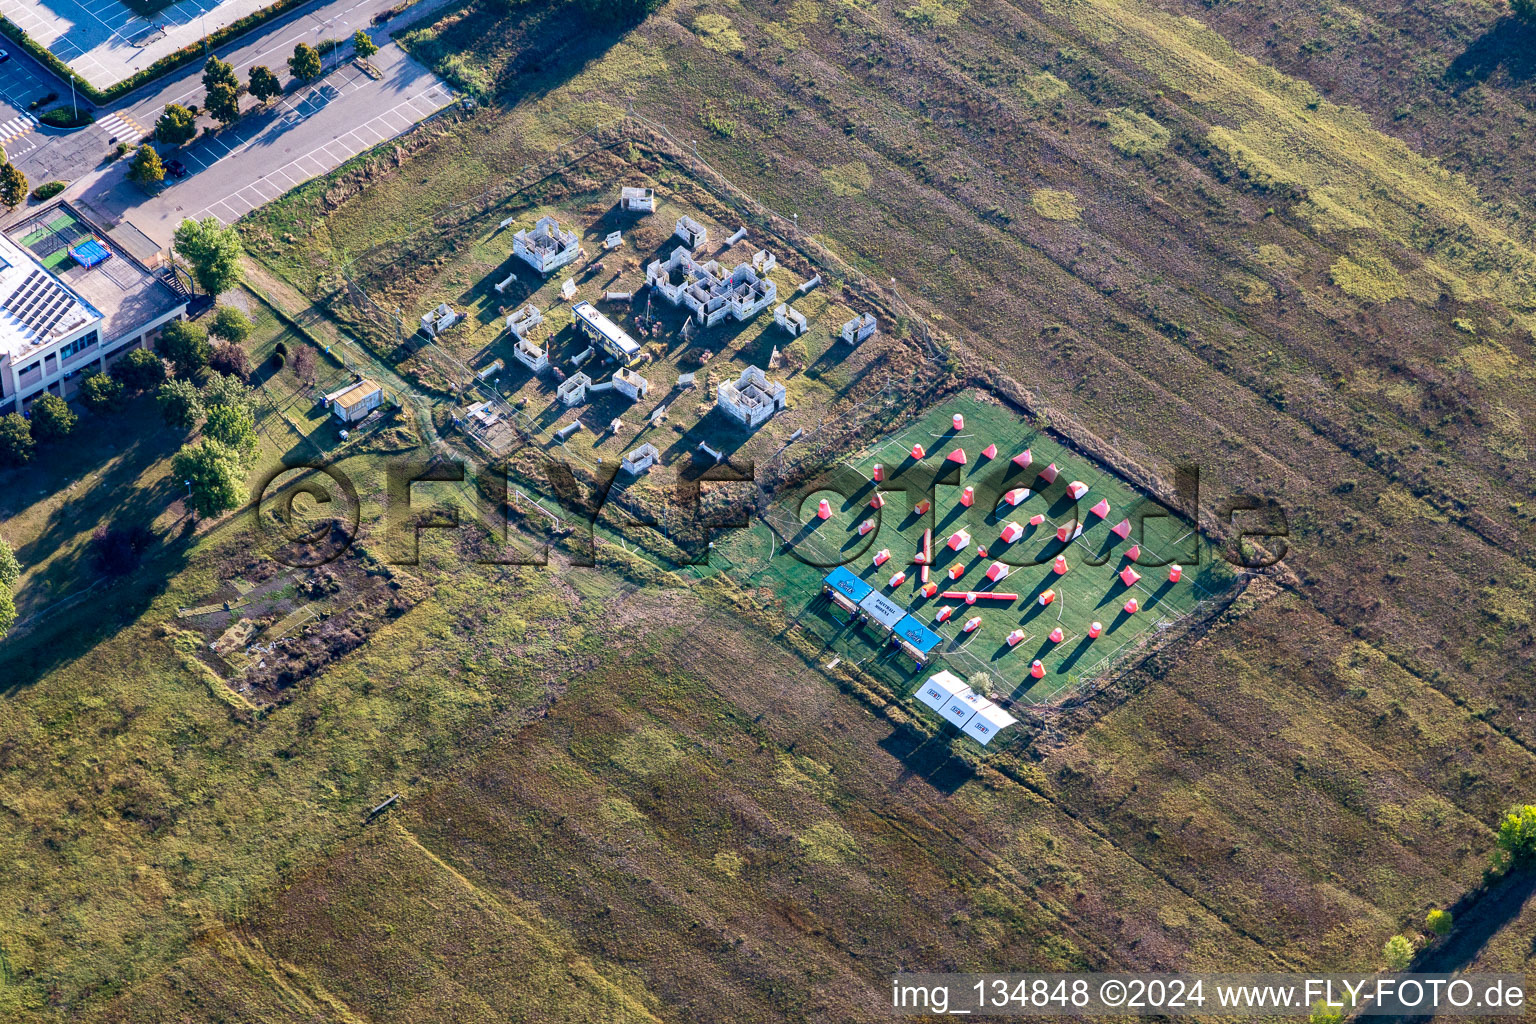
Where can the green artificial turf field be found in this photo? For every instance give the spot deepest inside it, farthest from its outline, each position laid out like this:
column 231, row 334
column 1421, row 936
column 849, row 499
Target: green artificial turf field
column 1090, row 590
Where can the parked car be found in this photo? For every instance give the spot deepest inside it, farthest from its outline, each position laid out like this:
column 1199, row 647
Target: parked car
column 4, row 56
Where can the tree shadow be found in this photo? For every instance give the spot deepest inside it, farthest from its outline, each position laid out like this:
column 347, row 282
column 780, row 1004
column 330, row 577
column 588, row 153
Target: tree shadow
column 1510, row 44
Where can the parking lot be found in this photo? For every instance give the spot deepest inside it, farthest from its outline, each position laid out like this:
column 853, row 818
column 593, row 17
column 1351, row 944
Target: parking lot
column 21, row 82
column 105, row 42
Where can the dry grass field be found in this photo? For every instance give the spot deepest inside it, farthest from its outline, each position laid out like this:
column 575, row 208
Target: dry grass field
column 1163, row 234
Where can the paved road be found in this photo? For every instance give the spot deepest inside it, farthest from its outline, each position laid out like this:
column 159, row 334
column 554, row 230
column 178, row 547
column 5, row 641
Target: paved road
column 308, row 132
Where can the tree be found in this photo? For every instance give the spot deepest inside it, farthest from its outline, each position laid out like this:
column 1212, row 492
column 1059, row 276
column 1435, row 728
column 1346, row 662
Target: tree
column 264, row 84
column 7, row 612
column 212, row 473
column 213, row 252
column 181, row 405
column 146, row 170
column 223, row 104
column 305, row 63
column 177, row 125
column 102, row 392
column 185, row 344
column 52, row 418
column 363, row 46
column 222, row 389
column 234, row 427
column 230, row 360
column 1517, row 834
column 230, row 324
column 304, row 363
column 10, row 568
column 1439, row 921
column 217, row 72
column 1398, row 953
column 1525, row 10
column 16, row 441
column 13, row 186
column 139, row 370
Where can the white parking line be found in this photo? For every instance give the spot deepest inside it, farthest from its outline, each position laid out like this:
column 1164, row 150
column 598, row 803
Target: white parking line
column 310, row 165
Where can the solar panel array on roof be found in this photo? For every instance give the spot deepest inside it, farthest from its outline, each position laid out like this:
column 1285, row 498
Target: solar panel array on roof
column 39, row 303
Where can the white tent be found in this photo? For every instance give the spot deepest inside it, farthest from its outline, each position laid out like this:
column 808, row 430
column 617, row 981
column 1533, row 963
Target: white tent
column 987, row 723
column 940, row 688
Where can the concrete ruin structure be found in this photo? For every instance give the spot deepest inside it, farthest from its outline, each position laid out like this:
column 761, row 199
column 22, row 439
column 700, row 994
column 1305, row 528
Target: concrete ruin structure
column 535, row 357
column 640, row 459
column 434, row 322
column 573, row 391
column 750, row 399
column 791, row 319
column 763, row 261
column 524, row 319
column 707, row 291
column 634, row 199
column 630, row 384
column 859, row 328
column 548, row 247
column 691, row 232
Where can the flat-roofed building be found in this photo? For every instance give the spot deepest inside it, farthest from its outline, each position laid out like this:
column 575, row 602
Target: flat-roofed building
column 608, row 336
column 355, row 401
column 72, row 301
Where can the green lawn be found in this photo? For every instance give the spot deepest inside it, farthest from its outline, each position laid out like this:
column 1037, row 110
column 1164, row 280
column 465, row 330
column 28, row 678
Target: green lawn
column 1091, row 589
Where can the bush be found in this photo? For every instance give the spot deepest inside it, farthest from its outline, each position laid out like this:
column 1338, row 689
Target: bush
column 1517, row 834
column 66, row 117
column 42, row 101
column 48, row 190
column 1398, row 953
column 1439, row 921
column 52, row 418
column 117, row 550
